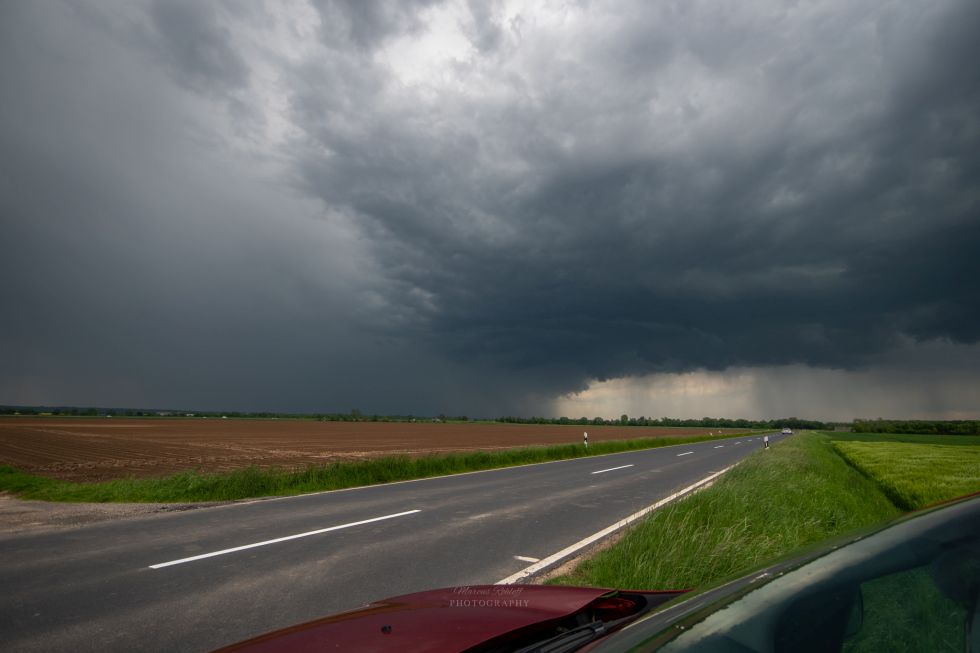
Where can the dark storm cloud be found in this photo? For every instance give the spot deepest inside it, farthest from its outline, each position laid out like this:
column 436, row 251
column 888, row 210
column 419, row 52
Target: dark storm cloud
column 484, row 30
column 367, row 23
column 825, row 209
column 431, row 206
column 197, row 45
column 144, row 265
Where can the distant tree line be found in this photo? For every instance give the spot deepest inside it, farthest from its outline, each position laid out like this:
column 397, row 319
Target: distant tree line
column 64, row 410
column 354, row 415
column 703, row 422
column 919, row 427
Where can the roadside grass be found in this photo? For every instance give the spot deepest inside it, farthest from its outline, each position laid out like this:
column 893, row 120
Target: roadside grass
column 916, row 475
column 795, row 494
column 252, row 482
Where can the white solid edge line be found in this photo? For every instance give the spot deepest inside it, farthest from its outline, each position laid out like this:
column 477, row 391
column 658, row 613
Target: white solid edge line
column 686, row 453
column 569, row 550
column 280, row 539
column 611, row 469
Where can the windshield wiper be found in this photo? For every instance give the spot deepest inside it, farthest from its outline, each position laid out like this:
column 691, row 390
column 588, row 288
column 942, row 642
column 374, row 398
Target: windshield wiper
column 567, row 641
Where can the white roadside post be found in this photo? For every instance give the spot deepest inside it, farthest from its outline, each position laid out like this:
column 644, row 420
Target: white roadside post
column 765, row 439
column 586, row 437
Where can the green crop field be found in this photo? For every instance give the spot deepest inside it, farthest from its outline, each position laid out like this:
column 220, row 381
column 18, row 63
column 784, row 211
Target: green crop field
column 917, row 475
column 958, row 440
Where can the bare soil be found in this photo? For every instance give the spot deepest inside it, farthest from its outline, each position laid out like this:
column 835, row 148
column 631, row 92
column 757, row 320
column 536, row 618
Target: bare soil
column 97, row 449
column 19, row 516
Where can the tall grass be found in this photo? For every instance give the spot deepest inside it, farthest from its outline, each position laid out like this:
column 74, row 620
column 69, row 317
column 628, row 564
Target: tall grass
column 258, row 482
column 796, row 493
column 916, row 475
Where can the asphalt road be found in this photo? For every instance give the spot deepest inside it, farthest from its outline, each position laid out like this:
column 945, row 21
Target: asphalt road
column 168, row 582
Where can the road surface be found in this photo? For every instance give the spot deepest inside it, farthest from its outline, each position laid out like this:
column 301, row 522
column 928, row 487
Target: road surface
column 196, row 580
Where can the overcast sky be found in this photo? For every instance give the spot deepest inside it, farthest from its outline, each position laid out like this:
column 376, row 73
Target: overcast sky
column 687, row 208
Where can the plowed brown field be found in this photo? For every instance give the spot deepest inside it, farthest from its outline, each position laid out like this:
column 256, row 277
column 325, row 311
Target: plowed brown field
column 83, row 449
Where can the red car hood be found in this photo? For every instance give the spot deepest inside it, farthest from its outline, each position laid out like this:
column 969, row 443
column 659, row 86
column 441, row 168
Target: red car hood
column 451, row 619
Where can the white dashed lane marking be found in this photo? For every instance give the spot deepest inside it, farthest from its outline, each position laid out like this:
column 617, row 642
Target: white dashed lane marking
column 526, row 558
column 280, row 539
column 611, row 469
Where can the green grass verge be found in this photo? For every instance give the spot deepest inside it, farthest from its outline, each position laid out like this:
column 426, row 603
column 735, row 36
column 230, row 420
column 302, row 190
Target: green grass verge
column 916, row 475
column 256, row 482
column 797, row 493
